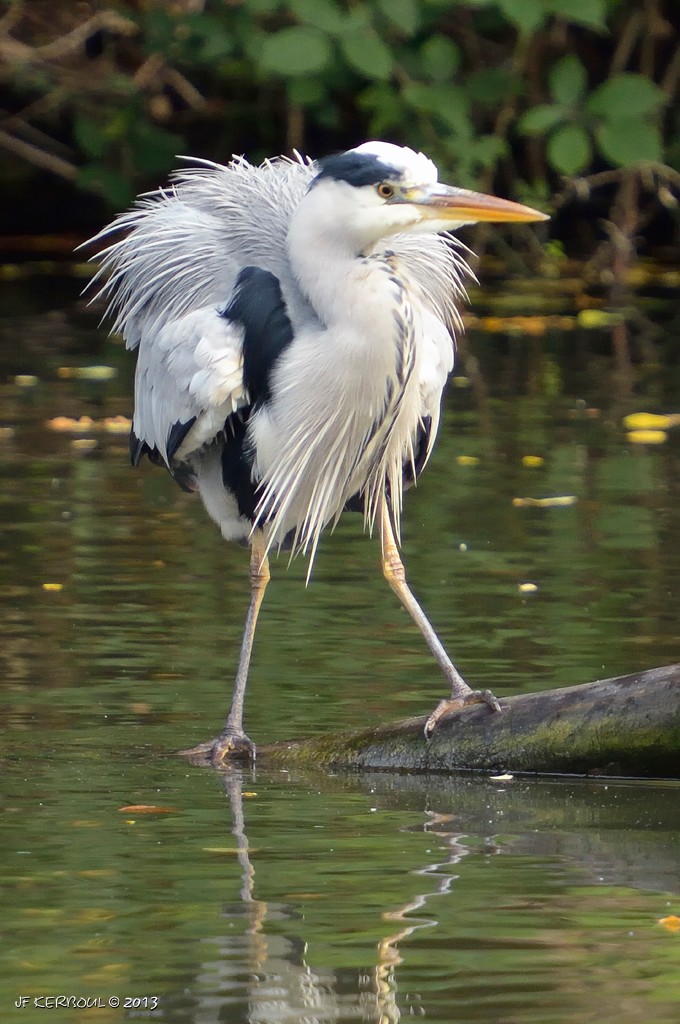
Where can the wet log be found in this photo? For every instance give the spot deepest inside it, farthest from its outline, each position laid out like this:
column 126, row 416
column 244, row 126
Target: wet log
column 629, row 726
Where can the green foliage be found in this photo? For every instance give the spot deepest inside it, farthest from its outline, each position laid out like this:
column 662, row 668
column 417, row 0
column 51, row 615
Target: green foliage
column 620, row 119
column 511, row 94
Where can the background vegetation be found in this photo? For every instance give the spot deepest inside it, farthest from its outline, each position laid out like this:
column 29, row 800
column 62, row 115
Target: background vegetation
column 571, row 105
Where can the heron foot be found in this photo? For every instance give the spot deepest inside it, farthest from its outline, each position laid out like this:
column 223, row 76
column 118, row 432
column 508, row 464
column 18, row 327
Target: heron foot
column 232, row 746
column 448, row 705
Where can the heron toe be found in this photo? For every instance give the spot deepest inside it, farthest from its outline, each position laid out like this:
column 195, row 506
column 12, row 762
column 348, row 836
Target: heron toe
column 230, row 747
column 448, row 705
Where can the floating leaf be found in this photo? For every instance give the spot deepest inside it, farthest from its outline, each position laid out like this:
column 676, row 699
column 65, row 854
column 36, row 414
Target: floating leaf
column 54, row 587
column 148, row 809
column 527, row 588
column 467, row 460
column 87, row 372
column 670, row 923
column 650, row 421
column 647, row 436
column 593, row 319
column 532, row 461
column 559, row 501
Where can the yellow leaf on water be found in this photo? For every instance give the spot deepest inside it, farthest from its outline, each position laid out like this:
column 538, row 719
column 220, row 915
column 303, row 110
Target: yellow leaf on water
column 559, row 501
column 148, row 809
column 87, row 372
column 651, row 421
column 532, row 461
column 647, row 436
column 670, row 923
column 527, row 588
column 467, row 460
column 53, row 586
column 599, row 318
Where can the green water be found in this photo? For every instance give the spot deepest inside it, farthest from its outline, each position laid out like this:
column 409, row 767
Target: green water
column 276, row 897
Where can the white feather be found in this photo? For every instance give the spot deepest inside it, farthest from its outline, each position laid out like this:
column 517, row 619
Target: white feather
column 340, row 421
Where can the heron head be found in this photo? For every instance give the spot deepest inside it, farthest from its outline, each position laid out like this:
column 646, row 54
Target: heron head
column 379, row 189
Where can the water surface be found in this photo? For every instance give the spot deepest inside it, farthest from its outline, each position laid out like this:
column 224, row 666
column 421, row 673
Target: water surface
column 278, row 897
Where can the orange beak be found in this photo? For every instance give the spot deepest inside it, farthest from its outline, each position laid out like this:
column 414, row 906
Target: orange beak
column 459, row 205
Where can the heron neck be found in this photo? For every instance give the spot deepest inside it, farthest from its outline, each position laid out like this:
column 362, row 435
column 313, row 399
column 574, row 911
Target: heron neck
column 328, row 271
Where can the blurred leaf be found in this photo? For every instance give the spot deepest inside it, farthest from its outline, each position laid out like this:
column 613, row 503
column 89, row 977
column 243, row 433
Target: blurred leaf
column 321, row 14
column 89, row 135
column 625, row 142
column 306, row 91
column 448, row 102
column 567, row 80
column 106, row 182
column 488, row 149
column 298, row 50
column 440, row 58
column 540, row 119
column 154, row 149
column 491, row 86
column 569, row 149
column 403, row 14
column 387, row 109
column 210, row 37
column 592, row 13
column 262, row 7
column 626, row 96
column 526, row 15
column 368, row 54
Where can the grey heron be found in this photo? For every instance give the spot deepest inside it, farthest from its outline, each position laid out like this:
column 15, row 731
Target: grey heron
column 296, row 325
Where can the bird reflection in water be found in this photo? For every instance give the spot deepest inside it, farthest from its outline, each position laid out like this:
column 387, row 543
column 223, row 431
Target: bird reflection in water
column 280, row 985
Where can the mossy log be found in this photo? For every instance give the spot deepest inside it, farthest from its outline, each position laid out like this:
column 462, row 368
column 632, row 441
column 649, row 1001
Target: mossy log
column 629, row 725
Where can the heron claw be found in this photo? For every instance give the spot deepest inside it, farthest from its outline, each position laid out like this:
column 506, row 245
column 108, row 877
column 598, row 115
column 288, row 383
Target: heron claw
column 451, row 704
column 231, row 746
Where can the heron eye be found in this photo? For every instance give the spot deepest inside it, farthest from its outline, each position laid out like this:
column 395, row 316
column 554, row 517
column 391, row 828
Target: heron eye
column 385, row 191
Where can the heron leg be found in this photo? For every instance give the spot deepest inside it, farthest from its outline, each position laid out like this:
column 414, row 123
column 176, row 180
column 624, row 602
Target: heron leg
column 395, row 574
column 232, row 743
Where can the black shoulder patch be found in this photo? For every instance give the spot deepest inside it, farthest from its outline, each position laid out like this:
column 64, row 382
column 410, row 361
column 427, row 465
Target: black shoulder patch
column 237, row 465
column 258, row 305
column 356, row 169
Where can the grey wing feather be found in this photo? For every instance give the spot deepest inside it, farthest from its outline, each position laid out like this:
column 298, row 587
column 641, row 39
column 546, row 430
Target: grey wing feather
column 181, row 248
column 192, row 371
column 173, row 262
column 173, row 259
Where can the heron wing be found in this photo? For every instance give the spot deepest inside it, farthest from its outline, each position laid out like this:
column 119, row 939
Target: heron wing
column 189, row 380
column 180, row 249
column 170, row 263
